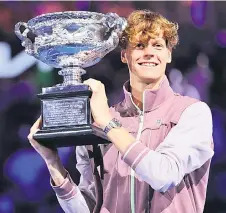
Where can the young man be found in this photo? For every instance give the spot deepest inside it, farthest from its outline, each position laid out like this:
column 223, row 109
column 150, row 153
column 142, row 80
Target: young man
column 161, row 147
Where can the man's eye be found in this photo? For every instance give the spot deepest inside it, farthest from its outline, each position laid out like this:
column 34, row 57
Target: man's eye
column 158, row 45
column 139, row 46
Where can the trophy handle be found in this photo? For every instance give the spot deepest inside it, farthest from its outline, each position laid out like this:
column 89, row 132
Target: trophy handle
column 115, row 25
column 112, row 42
column 114, row 22
column 23, row 36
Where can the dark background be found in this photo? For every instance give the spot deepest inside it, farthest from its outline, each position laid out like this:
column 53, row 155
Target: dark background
column 198, row 69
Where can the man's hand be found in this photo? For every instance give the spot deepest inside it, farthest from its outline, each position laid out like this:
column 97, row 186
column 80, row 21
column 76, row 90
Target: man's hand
column 98, row 103
column 49, row 155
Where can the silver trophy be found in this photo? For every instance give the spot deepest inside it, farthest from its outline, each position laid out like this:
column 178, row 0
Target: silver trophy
column 72, row 41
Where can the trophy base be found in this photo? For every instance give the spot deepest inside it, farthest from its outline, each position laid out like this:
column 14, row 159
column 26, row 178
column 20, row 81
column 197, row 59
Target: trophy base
column 66, row 118
column 74, row 136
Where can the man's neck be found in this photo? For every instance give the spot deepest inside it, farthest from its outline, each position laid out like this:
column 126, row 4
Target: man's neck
column 137, row 88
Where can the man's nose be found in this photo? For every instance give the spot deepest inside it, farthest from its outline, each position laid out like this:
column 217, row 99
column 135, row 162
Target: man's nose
column 149, row 51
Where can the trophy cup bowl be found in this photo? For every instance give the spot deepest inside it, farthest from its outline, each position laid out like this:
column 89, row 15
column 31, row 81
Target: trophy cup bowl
column 71, row 41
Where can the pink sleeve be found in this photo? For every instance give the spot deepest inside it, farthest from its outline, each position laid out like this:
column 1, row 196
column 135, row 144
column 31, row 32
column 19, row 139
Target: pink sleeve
column 66, row 190
column 70, row 197
column 134, row 154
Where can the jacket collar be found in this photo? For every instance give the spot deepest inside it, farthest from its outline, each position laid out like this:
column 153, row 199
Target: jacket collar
column 152, row 99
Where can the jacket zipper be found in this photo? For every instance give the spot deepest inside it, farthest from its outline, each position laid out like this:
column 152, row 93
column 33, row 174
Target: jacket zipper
column 132, row 173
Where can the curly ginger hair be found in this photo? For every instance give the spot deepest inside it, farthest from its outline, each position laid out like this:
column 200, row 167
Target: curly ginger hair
column 148, row 25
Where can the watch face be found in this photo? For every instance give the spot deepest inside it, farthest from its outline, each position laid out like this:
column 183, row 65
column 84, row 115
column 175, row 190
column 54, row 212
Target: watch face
column 116, row 123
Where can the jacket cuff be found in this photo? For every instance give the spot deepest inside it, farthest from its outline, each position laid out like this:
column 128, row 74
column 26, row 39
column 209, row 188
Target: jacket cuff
column 134, row 154
column 66, row 190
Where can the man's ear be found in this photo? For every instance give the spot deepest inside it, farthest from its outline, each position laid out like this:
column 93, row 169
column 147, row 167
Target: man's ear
column 169, row 56
column 123, row 57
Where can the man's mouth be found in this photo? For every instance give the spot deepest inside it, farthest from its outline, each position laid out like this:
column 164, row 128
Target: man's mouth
column 148, row 64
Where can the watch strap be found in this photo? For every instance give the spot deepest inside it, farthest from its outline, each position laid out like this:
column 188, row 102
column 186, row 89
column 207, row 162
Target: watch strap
column 114, row 123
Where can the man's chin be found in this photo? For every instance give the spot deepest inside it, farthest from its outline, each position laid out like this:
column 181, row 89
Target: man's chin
column 152, row 79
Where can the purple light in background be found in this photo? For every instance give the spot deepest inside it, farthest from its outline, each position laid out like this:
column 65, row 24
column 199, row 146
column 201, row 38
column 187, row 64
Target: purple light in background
column 28, row 172
column 49, row 208
column 219, row 135
column 49, row 7
column 21, row 90
column 64, row 153
column 221, row 38
column 6, row 204
column 23, row 132
column 23, row 167
column 82, row 5
column 198, row 12
column 219, row 183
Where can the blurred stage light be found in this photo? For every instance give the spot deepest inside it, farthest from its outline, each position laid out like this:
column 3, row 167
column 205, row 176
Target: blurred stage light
column 28, row 172
column 220, row 180
column 198, row 12
column 83, row 5
column 23, row 132
column 6, row 204
column 23, row 167
column 221, row 38
column 219, row 135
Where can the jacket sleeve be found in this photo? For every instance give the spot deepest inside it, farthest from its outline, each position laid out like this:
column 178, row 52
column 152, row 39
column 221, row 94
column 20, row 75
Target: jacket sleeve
column 186, row 148
column 81, row 198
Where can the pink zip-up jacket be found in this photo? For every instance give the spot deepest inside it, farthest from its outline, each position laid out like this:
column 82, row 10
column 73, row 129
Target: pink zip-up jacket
column 164, row 171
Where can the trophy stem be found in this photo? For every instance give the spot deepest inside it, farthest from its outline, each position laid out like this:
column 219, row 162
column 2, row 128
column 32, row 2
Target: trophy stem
column 72, row 75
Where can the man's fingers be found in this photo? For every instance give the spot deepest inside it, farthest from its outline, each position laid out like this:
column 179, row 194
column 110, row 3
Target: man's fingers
column 93, row 84
column 30, row 137
column 36, row 125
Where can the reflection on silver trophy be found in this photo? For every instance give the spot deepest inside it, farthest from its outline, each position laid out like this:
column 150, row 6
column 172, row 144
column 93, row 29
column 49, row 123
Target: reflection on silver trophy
column 72, row 41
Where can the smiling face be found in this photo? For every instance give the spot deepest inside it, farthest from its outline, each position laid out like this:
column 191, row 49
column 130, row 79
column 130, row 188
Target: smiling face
column 147, row 43
column 147, row 62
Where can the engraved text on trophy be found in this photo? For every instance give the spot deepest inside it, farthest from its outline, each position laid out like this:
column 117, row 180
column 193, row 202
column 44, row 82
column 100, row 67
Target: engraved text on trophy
column 64, row 112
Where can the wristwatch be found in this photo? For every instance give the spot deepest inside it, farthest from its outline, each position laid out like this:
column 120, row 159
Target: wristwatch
column 114, row 123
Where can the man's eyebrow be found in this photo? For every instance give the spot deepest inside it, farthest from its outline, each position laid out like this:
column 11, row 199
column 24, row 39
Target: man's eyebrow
column 159, row 39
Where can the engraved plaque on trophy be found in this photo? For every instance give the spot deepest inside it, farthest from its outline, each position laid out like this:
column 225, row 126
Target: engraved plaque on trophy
column 72, row 41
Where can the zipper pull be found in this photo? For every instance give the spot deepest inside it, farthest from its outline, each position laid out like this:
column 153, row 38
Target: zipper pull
column 141, row 116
